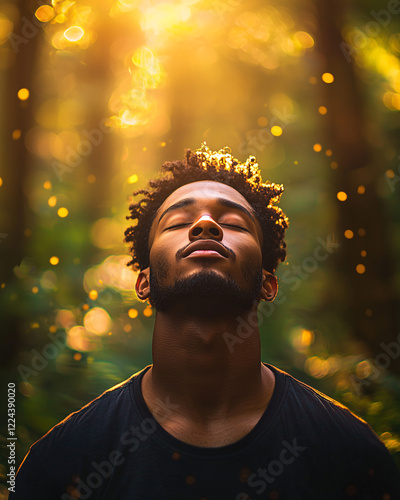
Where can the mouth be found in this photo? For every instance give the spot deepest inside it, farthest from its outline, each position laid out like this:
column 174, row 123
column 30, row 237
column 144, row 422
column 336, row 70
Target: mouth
column 206, row 248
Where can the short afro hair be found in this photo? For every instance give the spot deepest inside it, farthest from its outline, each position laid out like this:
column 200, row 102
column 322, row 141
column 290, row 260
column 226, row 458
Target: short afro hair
column 220, row 166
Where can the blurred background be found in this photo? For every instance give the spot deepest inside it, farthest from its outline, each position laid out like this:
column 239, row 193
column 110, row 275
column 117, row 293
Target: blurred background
column 96, row 95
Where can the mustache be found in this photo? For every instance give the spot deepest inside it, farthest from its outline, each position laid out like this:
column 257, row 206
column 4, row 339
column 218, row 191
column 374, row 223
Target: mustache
column 180, row 251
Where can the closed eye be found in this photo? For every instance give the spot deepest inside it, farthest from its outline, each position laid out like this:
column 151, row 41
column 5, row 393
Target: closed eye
column 178, row 225
column 235, row 226
column 183, row 224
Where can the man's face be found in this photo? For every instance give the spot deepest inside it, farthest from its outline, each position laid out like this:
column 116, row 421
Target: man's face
column 205, row 246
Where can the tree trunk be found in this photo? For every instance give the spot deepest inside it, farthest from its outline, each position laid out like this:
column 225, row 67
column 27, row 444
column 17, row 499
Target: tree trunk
column 18, row 116
column 370, row 301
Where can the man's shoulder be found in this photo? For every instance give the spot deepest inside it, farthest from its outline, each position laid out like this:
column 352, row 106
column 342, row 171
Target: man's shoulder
column 93, row 419
column 313, row 407
column 338, row 447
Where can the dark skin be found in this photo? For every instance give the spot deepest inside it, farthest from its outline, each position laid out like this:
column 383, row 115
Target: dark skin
column 220, row 395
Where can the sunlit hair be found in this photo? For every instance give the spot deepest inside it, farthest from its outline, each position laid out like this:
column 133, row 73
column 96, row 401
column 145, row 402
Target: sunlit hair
column 220, row 166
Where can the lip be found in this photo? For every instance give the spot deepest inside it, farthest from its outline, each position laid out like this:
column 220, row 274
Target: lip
column 206, row 248
column 205, row 253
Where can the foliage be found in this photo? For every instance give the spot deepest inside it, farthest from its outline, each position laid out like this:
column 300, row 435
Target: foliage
column 98, row 95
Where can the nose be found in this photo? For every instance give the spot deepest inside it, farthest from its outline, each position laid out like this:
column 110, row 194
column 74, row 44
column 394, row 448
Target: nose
column 204, row 228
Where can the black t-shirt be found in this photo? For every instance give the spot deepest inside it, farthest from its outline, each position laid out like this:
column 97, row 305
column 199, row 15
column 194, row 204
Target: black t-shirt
column 305, row 446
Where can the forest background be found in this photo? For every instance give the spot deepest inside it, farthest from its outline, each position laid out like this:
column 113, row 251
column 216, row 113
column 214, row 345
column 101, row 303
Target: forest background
column 96, row 95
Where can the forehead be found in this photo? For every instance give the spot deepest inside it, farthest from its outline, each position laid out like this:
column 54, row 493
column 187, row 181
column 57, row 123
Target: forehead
column 205, row 191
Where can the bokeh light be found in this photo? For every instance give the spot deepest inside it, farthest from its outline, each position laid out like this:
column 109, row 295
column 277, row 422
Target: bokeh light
column 54, row 260
column 74, row 33
column 6, row 28
column 62, row 212
column 328, row 78
column 45, row 13
column 349, row 234
column 132, row 179
column 97, row 321
column 52, row 201
column 147, row 312
column 360, row 268
column 79, row 339
column 112, row 273
column 133, row 313
column 276, row 130
column 23, row 94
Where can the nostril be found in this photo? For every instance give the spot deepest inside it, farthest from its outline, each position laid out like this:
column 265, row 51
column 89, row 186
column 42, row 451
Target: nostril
column 214, row 231
column 196, row 231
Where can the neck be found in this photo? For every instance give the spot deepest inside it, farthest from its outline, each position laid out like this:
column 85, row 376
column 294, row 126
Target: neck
column 208, row 369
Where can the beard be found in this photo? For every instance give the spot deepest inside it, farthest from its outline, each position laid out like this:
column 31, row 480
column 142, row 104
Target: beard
column 205, row 292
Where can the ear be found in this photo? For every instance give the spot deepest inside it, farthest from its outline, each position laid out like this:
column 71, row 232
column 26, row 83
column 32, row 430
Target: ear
column 142, row 286
column 269, row 287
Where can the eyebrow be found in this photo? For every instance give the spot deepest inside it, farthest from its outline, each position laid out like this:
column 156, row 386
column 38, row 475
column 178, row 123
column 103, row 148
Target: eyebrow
column 220, row 201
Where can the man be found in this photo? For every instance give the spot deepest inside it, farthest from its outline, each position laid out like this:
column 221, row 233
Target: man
column 206, row 420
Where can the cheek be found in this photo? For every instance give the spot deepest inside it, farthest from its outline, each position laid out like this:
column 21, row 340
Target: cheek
column 246, row 249
column 251, row 262
column 162, row 267
column 168, row 244
column 157, row 254
column 162, row 259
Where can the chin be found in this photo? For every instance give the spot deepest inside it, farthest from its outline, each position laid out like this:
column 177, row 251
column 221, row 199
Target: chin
column 205, row 292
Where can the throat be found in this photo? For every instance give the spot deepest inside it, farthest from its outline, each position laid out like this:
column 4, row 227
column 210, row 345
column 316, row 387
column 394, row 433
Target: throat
column 208, row 427
column 220, row 434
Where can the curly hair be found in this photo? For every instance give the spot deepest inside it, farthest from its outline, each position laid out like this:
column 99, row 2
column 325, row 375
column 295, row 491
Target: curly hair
column 220, row 166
